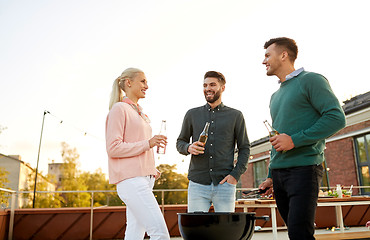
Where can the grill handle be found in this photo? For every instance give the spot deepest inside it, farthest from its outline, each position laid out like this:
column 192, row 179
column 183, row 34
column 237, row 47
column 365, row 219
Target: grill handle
column 266, row 218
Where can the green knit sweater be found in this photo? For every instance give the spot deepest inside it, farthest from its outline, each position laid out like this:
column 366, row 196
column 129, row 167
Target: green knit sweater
column 306, row 109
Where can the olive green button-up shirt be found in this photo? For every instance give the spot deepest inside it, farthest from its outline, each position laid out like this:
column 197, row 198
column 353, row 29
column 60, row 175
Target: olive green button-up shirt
column 227, row 133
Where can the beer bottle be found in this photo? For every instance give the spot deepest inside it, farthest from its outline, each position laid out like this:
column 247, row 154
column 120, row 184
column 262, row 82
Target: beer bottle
column 161, row 150
column 272, row 131
column 204, row 135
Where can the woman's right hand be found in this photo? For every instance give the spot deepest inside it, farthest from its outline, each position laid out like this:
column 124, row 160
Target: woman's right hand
column 158, row 140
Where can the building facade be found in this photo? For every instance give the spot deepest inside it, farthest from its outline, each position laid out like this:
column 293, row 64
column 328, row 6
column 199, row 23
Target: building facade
column 55, row 170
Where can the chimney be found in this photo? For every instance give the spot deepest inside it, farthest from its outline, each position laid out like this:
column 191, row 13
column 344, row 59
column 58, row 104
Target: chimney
column 16, row 157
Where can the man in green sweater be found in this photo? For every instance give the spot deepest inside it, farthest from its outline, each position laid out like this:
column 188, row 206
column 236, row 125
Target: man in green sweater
column 305, row 111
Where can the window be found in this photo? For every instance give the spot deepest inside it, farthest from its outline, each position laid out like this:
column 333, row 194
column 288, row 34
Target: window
column 362, row 146
column 260, row 172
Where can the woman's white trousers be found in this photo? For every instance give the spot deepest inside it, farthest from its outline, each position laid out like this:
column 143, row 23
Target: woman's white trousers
column 142, row 211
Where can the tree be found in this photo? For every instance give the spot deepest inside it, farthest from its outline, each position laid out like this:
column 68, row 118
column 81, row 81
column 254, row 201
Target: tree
column 43, row 200
column 47, row 200
column 4, row 197
column 98, row 181
column 75, row 180
column 3, row 180
column 171, row 180
column 71, row 180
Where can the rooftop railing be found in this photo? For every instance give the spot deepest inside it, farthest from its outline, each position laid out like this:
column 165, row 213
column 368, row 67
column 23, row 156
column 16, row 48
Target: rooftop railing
column 12, row 195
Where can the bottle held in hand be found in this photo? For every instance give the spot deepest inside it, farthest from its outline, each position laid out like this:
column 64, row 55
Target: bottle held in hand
column 204, row 135
column 162, row 150
column 272, row 131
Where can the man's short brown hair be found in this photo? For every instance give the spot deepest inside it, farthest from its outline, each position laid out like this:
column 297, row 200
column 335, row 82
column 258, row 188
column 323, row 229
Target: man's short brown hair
column 287, row 44
column 218, row 75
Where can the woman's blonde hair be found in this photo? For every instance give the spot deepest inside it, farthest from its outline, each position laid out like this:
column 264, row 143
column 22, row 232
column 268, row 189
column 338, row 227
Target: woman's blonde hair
column 119, row 85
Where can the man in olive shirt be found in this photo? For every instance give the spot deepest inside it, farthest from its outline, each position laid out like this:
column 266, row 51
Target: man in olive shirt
column 213, row 175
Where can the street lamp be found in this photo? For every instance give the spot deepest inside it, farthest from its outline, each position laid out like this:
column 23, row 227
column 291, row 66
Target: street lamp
column 38, row 157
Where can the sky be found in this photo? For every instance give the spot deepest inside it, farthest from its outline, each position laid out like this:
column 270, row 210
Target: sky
column 63, row 56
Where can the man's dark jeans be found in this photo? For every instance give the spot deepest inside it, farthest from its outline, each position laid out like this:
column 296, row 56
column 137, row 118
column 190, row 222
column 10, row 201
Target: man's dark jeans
column 296, row 192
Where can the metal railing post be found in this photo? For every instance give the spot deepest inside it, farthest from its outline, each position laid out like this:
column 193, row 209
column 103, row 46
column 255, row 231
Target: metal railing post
column 162, row 202
column 91, row 215
column 11, row 221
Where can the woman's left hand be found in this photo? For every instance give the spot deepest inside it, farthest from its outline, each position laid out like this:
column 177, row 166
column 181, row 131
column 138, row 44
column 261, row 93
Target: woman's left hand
column 158, row 140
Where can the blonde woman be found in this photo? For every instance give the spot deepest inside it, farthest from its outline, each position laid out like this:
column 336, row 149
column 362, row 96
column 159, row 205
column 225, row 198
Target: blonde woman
column 129, row 144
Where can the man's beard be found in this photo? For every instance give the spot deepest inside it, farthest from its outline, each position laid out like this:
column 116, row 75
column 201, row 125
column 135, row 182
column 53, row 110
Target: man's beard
column 215, row 97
